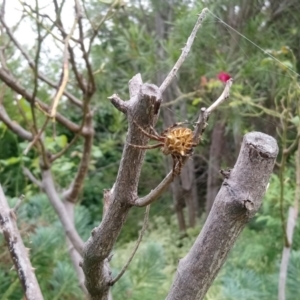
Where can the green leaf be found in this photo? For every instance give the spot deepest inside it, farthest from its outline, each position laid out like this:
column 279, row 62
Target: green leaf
column 286, row 64
column 295, row 120
column 96, row 152
column 106, row 1
column 10, row 161
column 25, row 106
column 66, row 166
column 196, row 101
column 61, row 141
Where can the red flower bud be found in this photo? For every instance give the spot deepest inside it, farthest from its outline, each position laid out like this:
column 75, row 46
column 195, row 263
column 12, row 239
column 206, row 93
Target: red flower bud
column 223, row 76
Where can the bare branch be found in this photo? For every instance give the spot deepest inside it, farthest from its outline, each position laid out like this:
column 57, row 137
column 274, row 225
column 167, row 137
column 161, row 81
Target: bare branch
column 204, row 113
column 118, row 103
column 18, row 88
column 155, row 193
column 18, row 204
column 99, row 245
column 60, row 210
column 18, row 252
column 31, row 63
column 36, row 137
column 145, row 224
column 78, row 76
column 14, row 126
column 91, row 87
column 76, row 186
column 101, row 22
column 74, row 255
column 65, row 76
column 32, row 178
column 236, row 203
column 185, row 51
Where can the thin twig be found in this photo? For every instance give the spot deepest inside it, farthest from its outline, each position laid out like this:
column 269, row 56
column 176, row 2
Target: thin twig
column 145, row 224
column 104, row 18
column 185, row 51
column 35, row 71
column 91, row 86
column 76, row 136
column 78, row 76
column 18, row 204
column 65, row 76
column 32, row 178
column 14, row 126
column 41, row 76
column 204, row 113
column 36, row 138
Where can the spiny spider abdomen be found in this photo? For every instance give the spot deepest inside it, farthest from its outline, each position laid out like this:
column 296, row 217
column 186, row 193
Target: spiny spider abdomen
column 175, row 140
column 179, row 141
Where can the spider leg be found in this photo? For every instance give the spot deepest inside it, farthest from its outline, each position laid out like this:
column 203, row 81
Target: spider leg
column 173, row 126
column 155, row 132
column 177, row 165
column 151, row 136
column 174, row 165
column 147, row 146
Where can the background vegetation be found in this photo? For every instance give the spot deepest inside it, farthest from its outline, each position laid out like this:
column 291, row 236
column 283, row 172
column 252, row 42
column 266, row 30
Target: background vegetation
column 265, row 97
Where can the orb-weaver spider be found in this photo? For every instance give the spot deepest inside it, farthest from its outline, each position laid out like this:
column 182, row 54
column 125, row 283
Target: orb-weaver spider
column 175, row 140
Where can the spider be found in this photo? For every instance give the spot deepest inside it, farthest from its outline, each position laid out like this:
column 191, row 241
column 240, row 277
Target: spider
column 175, row 140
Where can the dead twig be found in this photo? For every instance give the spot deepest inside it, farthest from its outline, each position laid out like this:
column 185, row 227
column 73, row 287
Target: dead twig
column 145, row 224
column 185, row 51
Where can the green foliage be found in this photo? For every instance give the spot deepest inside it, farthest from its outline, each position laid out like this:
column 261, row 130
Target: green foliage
column 43, row 234
column 127, row 44
column 144, row 275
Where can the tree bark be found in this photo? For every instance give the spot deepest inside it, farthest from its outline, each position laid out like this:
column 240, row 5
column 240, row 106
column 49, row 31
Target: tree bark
column 18, row 252
column 142, row 108
column 214, row 165
column 238, row 200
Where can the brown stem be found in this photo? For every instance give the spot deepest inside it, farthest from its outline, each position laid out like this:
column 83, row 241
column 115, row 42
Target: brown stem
column 185, row 51
column 14, row 126
column 18, row 252
column 73, row 192
column 57, row 204
column 99, row 245
column 145, row 224
column 13, row 83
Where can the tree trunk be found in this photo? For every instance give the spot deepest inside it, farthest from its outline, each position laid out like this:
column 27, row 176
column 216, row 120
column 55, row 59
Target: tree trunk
column 215, row 155
column 236, row 203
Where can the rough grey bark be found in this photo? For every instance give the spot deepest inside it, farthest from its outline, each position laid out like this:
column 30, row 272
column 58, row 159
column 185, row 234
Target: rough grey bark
column 143, row 109
column 214, row 164
column 76, row 258
column 238, row 200
column 17, row 250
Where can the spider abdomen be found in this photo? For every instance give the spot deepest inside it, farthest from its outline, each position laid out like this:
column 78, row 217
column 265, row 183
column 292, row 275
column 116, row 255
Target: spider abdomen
column 179, row 141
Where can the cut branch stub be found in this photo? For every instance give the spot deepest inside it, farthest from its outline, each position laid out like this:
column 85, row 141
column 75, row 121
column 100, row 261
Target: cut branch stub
column 237, row 201
column 141, row 109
